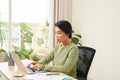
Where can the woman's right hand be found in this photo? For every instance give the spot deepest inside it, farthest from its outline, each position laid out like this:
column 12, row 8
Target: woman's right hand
column 34, row 65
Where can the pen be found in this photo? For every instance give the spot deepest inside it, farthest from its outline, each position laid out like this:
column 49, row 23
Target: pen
column 52, row 74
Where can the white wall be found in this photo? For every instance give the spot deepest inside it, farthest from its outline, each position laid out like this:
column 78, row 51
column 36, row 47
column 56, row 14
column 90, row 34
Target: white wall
column 98, row 21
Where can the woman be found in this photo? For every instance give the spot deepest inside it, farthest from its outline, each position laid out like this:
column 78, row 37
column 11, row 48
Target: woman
column 64, row 54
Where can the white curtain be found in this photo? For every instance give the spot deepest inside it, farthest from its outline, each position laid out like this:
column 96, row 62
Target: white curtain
column 59, row 10
column 63, row 10
column 51, row 11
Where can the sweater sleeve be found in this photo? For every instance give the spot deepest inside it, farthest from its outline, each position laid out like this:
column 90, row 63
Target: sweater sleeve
column 70, row 63
column 44, row 61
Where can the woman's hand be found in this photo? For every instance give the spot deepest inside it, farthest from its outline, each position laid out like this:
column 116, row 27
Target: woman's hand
column 34, row 65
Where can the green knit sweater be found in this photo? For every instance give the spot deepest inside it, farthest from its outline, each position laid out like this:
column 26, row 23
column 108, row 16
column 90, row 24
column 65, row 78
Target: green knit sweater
column 65, row 60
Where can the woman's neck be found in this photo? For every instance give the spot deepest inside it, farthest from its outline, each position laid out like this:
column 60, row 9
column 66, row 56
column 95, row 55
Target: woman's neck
column 67, row 42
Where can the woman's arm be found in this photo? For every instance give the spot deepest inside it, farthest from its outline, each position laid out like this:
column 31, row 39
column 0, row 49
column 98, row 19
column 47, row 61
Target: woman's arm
column 70, row 63
column 45, row 61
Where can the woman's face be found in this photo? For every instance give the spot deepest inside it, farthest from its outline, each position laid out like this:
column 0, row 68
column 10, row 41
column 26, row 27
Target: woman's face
column 60, row 35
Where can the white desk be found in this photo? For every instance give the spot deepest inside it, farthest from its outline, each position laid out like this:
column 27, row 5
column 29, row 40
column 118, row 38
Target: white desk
column 8, row 72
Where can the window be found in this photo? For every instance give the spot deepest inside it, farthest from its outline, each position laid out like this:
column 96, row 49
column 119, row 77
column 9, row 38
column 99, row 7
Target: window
column 24, row 26
column 3, row 24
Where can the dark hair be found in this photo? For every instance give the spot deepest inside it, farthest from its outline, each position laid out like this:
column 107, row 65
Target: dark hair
column 65, row 26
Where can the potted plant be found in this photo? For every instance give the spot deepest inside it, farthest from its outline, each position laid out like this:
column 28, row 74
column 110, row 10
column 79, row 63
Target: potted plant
column 35, row 57
column 76, row 38
column 2, row 38
column 26, row 38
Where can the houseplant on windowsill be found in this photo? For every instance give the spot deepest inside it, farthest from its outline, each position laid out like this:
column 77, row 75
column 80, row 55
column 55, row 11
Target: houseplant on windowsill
column 76, row 38
column 2, row 40
column 2, row 55
column 35, row 57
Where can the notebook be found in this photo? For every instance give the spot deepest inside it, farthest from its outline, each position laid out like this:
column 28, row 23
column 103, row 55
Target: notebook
column 21, row 66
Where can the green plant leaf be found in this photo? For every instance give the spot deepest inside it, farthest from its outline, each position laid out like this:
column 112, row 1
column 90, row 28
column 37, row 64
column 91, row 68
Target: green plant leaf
column 75, row 40
column 2, row 50
column 78, row 35
column 35, row 58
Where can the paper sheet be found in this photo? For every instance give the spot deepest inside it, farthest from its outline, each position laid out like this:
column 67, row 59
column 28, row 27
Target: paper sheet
column 43, row 76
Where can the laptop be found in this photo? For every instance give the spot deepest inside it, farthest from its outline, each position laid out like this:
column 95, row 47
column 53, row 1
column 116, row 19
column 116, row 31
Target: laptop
column 21, row 66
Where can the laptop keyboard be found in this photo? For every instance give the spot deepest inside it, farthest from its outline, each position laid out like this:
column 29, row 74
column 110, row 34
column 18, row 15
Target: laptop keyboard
column 30, row 70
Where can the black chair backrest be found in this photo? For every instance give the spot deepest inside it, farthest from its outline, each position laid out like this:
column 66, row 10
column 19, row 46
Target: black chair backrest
column 86, row 55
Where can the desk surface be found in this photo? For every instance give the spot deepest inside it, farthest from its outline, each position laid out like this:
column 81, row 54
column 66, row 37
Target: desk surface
column 7, row 72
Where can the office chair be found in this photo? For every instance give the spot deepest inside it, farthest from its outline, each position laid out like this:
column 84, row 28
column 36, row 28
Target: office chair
column 86, row 55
